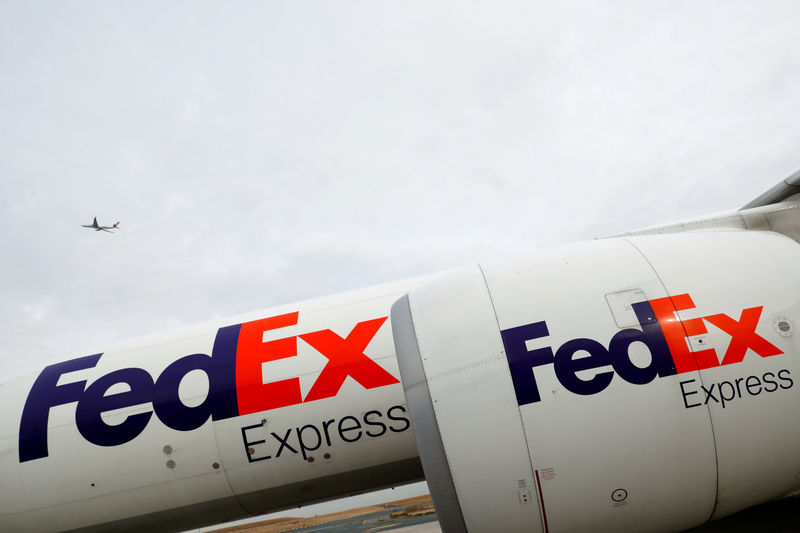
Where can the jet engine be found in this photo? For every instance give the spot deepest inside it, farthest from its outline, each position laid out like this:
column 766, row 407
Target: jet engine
column 644, row 383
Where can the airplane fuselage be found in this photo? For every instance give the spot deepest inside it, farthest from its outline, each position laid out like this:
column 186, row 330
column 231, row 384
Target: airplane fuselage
column 259, row 413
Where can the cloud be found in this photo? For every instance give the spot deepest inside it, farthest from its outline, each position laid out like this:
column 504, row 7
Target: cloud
column 258, row 154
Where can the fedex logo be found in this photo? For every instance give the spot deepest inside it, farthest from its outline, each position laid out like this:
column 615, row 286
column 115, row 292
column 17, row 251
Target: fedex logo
column 235, row 383
column 661, row 331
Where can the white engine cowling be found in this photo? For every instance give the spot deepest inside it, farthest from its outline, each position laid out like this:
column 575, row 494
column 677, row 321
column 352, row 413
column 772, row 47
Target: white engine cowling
column 637, row 384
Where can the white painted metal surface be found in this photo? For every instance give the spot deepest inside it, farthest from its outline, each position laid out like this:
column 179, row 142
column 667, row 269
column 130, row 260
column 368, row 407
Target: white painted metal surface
column 636, row 439
column 473, row 401
column 756, row 434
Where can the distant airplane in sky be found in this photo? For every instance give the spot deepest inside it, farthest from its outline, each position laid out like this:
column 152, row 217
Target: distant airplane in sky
column 97, row 227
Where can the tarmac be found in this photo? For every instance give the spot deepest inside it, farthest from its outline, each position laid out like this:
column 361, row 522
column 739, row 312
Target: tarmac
column 412, row 515
column 417, row 515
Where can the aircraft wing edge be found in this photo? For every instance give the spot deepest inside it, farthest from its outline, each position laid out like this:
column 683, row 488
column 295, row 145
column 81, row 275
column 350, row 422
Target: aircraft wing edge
column 780, row 192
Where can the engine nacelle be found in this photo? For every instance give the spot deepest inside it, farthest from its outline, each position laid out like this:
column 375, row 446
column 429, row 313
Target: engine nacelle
column 634, row 384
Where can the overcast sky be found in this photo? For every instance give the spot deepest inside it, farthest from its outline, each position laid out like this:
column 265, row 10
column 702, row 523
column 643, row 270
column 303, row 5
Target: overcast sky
column 259, row 153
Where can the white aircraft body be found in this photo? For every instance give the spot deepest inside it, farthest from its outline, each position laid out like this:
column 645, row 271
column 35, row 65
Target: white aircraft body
column 95, row 226
column 643, row 383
